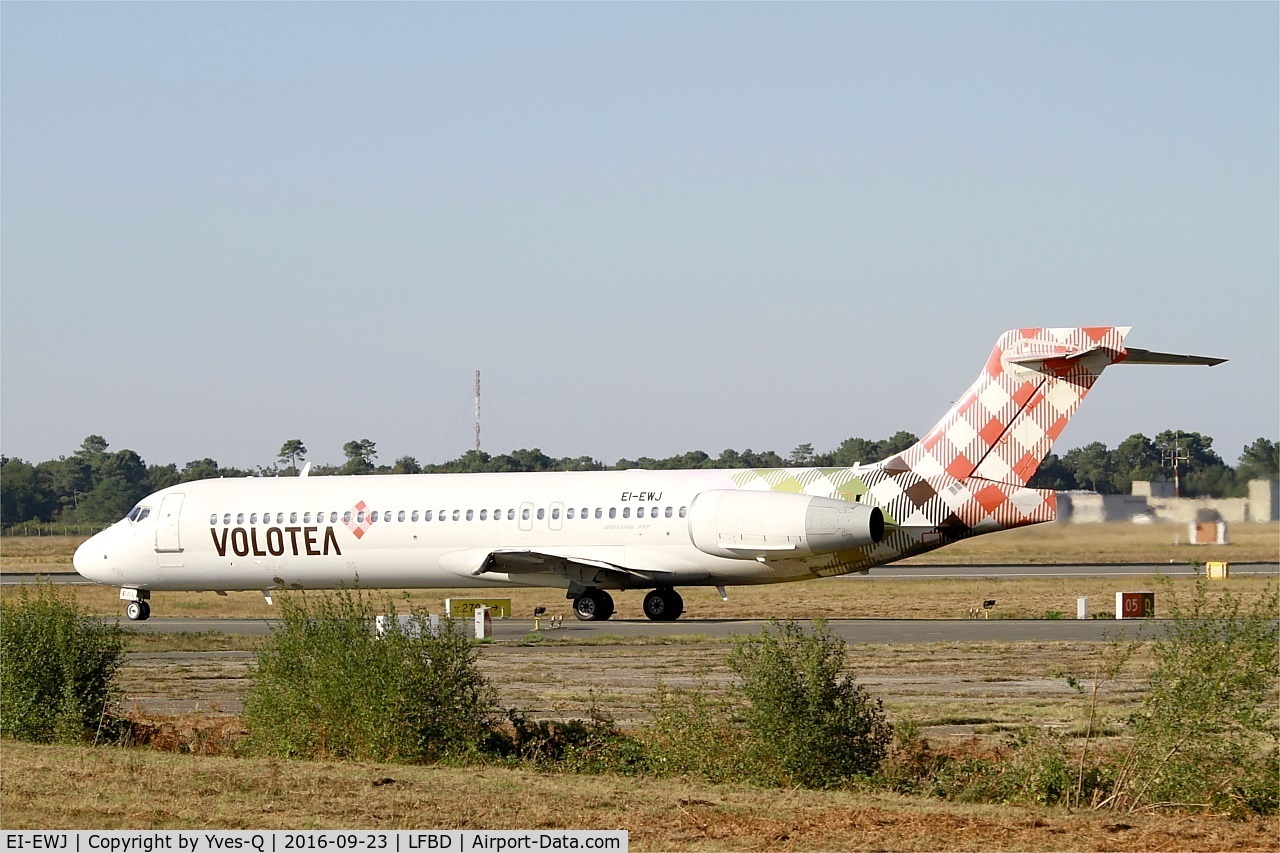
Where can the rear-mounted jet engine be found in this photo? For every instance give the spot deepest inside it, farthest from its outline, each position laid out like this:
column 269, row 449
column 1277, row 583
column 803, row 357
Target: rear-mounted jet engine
column 748, row 524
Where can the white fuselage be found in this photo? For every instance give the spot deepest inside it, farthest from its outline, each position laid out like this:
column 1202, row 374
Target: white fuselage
column 423, row 531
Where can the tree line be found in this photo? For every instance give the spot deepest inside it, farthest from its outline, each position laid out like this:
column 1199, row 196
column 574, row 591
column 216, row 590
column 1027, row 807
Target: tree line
column 95, row 485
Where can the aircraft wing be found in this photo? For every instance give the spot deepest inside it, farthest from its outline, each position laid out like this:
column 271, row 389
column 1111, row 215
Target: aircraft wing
column 524, row 561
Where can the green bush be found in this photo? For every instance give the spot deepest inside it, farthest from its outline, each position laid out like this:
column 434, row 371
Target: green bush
column 327, row 686
column 57, row 669
column 1205, row 733
column 696, row 734
column 806, row 722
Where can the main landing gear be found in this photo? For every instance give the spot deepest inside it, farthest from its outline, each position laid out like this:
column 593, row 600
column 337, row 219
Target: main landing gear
column 594, row 605
column 663, row 604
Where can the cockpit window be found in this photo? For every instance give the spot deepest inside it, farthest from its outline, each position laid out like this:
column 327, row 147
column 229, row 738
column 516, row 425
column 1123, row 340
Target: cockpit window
column 138, row 513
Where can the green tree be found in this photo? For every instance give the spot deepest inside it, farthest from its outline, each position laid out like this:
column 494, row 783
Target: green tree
column 292, row 451
column 162, row 477
column 1091, row 466
column 1135, row 458
column 200, row 469
column 1053, row 474
column 22, row 495
column 1259, row 461
column 108, row 501
column 360, row 455
column 802, row 456
column 406, row 465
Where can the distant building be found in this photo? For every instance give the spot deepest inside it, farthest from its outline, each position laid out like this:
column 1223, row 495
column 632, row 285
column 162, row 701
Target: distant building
column 1154, row 501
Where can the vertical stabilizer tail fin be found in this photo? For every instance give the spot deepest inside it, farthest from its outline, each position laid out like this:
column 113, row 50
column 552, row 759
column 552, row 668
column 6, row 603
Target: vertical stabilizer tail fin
column 1008, row 419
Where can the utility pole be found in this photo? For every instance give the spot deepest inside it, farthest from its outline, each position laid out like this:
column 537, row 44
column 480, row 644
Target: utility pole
column 477, row 411
column 1172, row 458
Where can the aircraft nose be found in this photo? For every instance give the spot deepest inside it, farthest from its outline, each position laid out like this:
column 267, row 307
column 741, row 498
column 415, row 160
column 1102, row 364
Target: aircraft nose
column 90, row 559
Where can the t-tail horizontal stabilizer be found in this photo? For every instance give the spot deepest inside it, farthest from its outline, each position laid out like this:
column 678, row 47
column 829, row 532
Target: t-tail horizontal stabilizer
column 1146, row 356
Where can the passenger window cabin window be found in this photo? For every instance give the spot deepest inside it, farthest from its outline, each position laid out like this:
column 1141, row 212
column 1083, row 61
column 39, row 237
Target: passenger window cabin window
column 457, row 514
column 253, row 519
column 226, row 518
column 240, row 518
column 333, row 518
column 373, row 516
column 599, row 512
column 511, row 515
column 346, row 517
column 568, row 513
column 497, row 515
column 484, row 515
column 542, row 513
column 213, row 519
column 426, row 516
column 524, row 513
column 682, row 509
column 293, row 518
column 400, row 516
column 555, row 512
column 279, row 518
column 626, row 512
column 414, row 517
column 668, row 512
column 613, row 512
column 306, row 518
column 471, row 514
column 442, row 515
column 360, row 517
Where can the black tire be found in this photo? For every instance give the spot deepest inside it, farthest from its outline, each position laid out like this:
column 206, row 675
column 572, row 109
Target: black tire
column 663, row 605
column 146, row 610
column 594, row 605
column 137, row 611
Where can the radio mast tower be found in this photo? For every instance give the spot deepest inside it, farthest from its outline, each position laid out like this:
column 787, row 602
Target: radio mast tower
column 477, row 411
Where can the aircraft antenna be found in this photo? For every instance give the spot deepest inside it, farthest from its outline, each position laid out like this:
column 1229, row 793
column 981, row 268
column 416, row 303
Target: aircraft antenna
column 477, row 411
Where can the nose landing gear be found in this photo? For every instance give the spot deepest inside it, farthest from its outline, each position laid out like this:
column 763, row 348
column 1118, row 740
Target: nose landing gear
column 138, row 610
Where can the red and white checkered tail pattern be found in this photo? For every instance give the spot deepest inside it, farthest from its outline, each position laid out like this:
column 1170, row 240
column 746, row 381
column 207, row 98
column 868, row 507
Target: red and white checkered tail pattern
column 1007, row 421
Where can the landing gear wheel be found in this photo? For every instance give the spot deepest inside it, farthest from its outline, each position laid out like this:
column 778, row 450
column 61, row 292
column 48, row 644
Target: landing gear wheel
column 137, row 611
column 663, row 605
column 594, row 605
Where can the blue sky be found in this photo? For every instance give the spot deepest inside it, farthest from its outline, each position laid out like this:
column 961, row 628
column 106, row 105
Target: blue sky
column 653, row 227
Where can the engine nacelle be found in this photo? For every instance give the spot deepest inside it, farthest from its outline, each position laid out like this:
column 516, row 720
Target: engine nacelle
column 748, row 524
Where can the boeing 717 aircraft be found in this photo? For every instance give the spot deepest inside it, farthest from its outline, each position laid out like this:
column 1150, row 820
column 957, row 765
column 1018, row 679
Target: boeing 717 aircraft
column 597, row 532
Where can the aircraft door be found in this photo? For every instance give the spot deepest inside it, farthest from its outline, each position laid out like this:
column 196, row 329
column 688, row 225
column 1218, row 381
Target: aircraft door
column 168, row 540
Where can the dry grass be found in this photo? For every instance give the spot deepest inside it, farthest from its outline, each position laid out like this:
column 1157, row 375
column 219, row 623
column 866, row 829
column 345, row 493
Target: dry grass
column 75, row 787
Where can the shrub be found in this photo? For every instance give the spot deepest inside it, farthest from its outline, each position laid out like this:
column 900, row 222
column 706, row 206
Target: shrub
column 696, row 734
column 1205, row 733
column 327, row 686
column 811, row 725
column 57, row 668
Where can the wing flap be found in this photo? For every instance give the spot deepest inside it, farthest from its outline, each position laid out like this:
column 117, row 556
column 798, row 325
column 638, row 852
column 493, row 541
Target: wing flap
column 526, row 561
